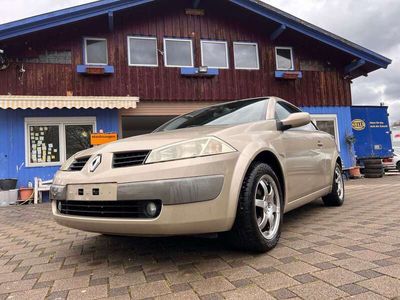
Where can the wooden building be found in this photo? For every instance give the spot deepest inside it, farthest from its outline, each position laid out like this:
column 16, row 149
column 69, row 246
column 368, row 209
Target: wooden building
column 127, row 66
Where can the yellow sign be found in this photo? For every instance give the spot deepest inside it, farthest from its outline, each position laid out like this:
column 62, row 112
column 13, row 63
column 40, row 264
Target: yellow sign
column 358, row 124
column 102, row 138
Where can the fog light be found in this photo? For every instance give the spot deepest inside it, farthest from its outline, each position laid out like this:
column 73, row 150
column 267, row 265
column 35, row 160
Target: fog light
column 59, row 206
column 151, row 209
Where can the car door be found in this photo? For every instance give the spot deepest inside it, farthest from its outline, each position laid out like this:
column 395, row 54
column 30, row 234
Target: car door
column 305, row 162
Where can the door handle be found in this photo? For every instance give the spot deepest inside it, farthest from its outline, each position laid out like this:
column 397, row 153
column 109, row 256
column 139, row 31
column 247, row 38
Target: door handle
column 320, row 144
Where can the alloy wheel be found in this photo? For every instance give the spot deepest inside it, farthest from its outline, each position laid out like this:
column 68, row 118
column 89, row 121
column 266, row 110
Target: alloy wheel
column 339, row 183
column 268, row 207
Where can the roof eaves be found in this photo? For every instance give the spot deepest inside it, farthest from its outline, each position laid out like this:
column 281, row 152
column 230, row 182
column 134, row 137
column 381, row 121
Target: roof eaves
column 313, row 31
column 65, row 16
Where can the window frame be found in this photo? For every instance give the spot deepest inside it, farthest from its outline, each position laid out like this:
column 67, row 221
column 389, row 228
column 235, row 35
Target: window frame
column 215, row 42
column 328, row 117
column 179, row 40
column 258, row 55
column 291, row 58
column 85, row 39
column 130, row 64
column 53, row 121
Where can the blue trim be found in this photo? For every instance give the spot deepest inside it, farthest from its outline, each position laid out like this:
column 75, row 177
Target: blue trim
column 104, row 7
column 312, row 31
column 65, row 16
column 191, row 72
column 354, row 66
column 277, row 32
column 281, row 74
column 82, row 69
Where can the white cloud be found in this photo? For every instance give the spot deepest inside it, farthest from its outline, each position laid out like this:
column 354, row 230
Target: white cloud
column 373, row 24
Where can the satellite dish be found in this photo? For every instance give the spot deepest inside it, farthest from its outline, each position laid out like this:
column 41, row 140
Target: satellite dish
column 4, row 62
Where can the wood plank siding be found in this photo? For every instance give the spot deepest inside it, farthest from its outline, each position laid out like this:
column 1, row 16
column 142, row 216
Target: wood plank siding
column 323, row 81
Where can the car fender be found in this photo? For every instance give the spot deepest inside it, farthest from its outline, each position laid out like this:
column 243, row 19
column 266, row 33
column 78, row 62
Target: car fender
column 247, row 157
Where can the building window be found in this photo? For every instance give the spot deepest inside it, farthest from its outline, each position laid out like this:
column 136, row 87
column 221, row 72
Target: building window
column 178, row 53
column 214, row 54
column 246, row 56
column 96, row 52
column 142, row 51
column 329, row 124
column 284, row 58
column 51, row 141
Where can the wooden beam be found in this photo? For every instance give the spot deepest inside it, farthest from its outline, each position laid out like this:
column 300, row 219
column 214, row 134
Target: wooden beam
column 354, row 66
column 278, row 32
column 111, row 21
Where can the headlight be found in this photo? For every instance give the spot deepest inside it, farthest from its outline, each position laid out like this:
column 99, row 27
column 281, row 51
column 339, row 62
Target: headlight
column 190, row 149
column 65, row 166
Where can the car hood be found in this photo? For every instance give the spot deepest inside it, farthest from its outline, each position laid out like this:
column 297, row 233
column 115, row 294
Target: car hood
column 232, row 134
column 154, row 140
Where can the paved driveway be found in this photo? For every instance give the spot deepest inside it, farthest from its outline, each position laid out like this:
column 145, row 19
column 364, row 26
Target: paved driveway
column 324, row 253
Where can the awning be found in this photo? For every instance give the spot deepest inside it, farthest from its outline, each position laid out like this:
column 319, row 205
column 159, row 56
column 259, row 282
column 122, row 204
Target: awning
column 84, row 102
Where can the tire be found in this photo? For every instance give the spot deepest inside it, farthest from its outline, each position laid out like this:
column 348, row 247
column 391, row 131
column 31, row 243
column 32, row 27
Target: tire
column 372, row 161
column 398, row 166
column 376, row 169
column 373, row 175
column 373, row 166
column 260, row 181
column 337, row 196
column 374, row 172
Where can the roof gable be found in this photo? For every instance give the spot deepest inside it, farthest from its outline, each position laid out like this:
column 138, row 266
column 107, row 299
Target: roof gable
column 102, row 7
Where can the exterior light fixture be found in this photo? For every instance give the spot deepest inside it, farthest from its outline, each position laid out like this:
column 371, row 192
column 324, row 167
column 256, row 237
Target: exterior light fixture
column 203, row 69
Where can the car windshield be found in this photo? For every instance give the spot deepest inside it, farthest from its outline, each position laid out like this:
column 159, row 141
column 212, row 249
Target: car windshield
column 233, row 113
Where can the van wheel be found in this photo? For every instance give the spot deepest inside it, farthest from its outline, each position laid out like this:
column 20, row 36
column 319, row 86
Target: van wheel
column 336, row 197
column 259, row 214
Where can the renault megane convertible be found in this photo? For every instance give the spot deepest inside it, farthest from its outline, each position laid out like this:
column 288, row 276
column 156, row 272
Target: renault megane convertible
column 232, row 168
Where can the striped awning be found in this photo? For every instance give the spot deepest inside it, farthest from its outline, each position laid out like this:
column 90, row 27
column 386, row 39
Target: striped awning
column 84, row 102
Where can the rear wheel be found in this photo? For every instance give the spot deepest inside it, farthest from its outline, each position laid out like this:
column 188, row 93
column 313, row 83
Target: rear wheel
column 260, row 210
column 336, row 197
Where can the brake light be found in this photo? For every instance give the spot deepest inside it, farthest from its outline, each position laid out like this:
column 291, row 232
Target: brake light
column 388, row 160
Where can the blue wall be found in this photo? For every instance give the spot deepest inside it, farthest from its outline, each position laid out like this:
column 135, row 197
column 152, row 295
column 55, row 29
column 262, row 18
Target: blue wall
column 12, row 139
column 344, row 123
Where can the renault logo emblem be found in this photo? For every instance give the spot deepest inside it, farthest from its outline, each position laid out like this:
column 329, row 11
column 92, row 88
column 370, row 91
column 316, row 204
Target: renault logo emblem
column 95, row 163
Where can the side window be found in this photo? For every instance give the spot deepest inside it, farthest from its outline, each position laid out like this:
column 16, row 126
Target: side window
column 95, row 51
column 284, row 58
column 178, row 53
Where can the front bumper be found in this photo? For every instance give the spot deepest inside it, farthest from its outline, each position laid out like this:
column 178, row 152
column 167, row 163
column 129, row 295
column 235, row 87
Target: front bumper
column 170, row 192
column 197, row 202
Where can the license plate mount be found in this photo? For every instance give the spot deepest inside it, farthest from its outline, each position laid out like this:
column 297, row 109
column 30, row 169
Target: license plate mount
column 94, row 192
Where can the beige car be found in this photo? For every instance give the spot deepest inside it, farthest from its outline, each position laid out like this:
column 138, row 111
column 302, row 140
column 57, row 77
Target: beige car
column 232, row 168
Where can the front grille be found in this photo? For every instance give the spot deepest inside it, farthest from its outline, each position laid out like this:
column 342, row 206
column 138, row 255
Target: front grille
column 78, row 164
column 129, row 159
column 108, row 209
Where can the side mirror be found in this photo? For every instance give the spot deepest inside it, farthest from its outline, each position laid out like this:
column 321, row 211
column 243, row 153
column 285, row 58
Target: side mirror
column 295, row 120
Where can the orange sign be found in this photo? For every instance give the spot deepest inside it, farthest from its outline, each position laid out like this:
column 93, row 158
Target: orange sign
column 102, row 138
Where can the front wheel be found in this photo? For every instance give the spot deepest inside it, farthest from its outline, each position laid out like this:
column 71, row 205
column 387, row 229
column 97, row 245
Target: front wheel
column 260, row 211
column 336, row 197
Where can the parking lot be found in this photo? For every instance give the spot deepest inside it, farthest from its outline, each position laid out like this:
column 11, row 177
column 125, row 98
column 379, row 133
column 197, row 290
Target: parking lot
column 324, row 253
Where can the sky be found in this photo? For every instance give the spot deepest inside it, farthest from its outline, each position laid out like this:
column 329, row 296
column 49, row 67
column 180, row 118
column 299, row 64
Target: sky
column 373, row 24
